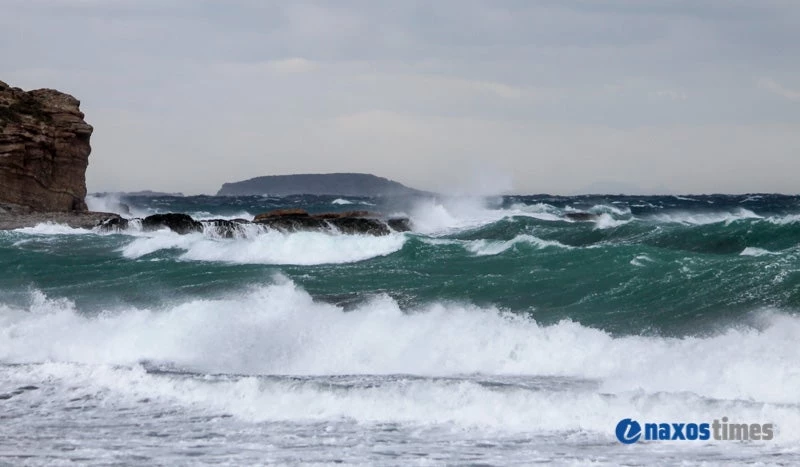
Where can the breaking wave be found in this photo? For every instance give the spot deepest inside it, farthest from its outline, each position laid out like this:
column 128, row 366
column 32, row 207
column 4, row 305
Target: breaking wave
column 475, row 366
column 280, row 329
column 486, row 247
column 268, row 247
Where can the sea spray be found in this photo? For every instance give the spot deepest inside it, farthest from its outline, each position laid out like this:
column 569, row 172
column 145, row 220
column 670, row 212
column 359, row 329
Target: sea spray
column 280, row 329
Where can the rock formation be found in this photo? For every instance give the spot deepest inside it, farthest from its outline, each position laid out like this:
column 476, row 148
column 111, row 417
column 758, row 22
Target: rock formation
column 44, row 150
column 180, row 223
column 284, row 220
column 349, row 222
column 44, row 153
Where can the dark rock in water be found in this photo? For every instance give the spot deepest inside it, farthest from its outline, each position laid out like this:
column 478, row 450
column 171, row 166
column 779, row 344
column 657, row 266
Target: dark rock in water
column 339, row 215
column 286, row 220
column 114, row 224
column 359, row 225
column 581, row 216
column 292, row 223
column 179, row 223
column 399, row 224
column 44, row 150
column 281, row 213
column 227, row 228
column 348, row 222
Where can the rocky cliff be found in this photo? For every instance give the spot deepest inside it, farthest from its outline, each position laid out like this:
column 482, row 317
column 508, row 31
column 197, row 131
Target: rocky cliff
column 44, row 150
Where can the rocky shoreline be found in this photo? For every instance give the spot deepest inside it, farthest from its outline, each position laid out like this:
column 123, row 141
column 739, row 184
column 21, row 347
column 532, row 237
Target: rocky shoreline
column 44, row 152
column 282, row 220
column 74, row 219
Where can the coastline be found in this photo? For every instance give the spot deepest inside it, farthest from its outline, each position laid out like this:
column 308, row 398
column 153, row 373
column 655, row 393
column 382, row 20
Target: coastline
column 11, row 219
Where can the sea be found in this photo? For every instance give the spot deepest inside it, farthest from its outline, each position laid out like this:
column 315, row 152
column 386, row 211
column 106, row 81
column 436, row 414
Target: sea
column 499, row 331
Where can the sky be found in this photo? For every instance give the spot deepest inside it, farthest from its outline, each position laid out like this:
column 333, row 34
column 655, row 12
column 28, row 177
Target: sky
column 562, row 97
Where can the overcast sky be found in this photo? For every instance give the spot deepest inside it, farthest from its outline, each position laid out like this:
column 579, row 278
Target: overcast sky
column 525, row 96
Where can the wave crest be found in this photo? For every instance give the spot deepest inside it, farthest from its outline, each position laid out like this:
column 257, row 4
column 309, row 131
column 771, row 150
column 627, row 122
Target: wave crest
column 258, row 246
column 280, row 329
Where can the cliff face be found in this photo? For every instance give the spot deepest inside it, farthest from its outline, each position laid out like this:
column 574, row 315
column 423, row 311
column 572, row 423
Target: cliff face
column 44, row 150
column 344, row 184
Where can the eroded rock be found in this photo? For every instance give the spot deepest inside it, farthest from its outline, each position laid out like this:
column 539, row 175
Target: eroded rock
column 44, row 150
column 179, row 223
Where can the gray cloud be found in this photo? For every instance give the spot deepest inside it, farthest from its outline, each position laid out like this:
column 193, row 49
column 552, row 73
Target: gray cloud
column 695, row 96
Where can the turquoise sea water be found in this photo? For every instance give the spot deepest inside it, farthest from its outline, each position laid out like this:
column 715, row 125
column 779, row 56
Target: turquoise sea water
column 498, row 331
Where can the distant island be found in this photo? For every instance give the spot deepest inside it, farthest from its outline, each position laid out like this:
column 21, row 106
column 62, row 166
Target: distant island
column 142, row 193
column 342, row 184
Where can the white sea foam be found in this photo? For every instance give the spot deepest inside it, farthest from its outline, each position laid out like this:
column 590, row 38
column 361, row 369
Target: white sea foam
column 541, row 211
column 461, row 403
column 111, row 202
column 606, row 221
column 641, row 260
column 694, row 218
column 50, row 228
column 279, row 329
column 787, row 219
column 610, row 209
column 343, row 201
column 478, row 369
column 449, row 215
column 205, row 215
column 268, row 247
column 487, row 247
column 753, row 251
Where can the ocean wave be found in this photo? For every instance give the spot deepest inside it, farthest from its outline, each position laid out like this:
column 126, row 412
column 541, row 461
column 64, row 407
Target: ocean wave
column 279, row 329
column 252, row 244
column 111, row 202
column 606, row 221
column 488, row 248
column 606, row 216
column 50, row 228
column 753, row 251
column 785, row 220
column 472, row 402
column 541, row 211
column 343, row 201
column 705, row 218
column 450, row 215
column 610, row 209
column 268, row 247
column 641, row 261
